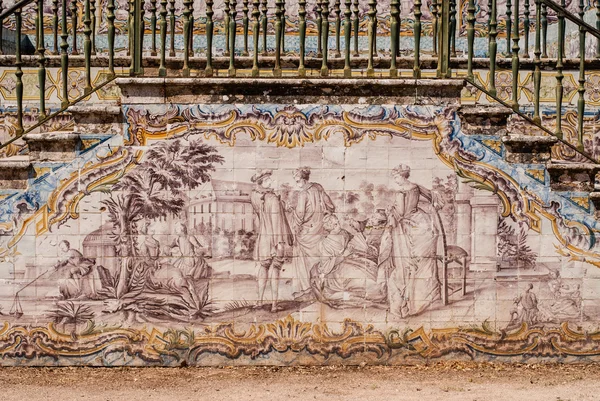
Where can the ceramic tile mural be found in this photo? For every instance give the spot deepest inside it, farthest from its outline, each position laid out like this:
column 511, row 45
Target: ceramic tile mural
column 294, row 234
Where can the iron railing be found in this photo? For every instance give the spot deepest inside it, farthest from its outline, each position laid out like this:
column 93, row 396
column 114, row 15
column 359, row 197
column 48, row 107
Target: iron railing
column 333, row 21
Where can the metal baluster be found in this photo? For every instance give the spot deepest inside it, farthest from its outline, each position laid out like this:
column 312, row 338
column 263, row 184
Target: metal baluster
column 375, row 54
column 515, row 60
column 325, row 40
column 37, row 23
column 453, row 27
column 130, row 28
column 597, row 3
column 282, row 26
column 74, row 23
column 278, row 13
column 54, row 25
column 319, row 28
column 64, row 54
column 186, row 38
column 227, row 22
column 399, row 28
column 544, row 30
column 443, row 70
column 470, row 38
column 208, row 71
column 526, row 26
column 138, row 41
column 264, row 19
column 110, row 17
column 493, row 46
column 563, row 22
column 347, row 37
column 537, row 62
column 559, row 76
column 246, row 22
column 434, row 21
column 356, row 26
column 256, row 33
column 41, row 50
column 489, row 4
column 19, row 72
column 394, row 13
column 93, row 24
column 153, row 10
column 372, row 13
column 162, row 69
column 581, row 88
column 87, row 47
column 232, row 31
column 508, row 25
column 417, row 37
column 1, row 30
column 338, row 27
column 191, row 49
column 140, row 29
column 172, row 23
column 302, row 33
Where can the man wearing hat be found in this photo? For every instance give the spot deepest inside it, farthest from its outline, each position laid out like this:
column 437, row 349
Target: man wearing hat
column 273, row 234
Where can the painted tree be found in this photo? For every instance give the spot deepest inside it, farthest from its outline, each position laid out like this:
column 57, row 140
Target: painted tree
column 155, row 189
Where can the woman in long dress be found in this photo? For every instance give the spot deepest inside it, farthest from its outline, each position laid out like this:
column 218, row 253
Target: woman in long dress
column 409, row 248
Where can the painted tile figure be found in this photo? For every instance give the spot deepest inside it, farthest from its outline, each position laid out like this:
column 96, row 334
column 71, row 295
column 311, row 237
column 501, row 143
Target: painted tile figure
column 409, row 247
column 345, row 277
column 78, row 277
column 274, row 234
column 308, row 216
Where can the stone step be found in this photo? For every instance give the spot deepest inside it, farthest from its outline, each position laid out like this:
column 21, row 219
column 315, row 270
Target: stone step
column 106, row 119
column 14, row 172
column 573, row 176
column 528, row 148
column 484, row 120
column 53, row 146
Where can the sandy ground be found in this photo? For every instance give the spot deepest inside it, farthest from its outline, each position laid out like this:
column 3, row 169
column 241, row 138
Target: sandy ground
column 456, row 381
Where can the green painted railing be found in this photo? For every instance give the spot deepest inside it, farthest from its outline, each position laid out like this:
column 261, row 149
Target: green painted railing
column 156, row 21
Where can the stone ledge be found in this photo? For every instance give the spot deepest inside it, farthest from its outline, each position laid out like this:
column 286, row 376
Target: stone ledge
column 111, row 109
column 97, row 118
column 528, row 148
column 290, row 91
column 14, row 172
column 428, row 62
column 484, row 120
column 573, row 176
column 53, row 146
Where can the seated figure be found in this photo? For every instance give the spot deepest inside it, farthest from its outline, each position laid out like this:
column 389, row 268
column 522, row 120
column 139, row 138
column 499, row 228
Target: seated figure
column 345, row 277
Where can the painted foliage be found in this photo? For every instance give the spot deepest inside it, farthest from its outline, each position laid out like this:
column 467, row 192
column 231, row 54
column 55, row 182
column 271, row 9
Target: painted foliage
column 294, row 234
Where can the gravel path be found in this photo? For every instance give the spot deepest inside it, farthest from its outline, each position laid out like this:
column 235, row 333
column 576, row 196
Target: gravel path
column 456, row 381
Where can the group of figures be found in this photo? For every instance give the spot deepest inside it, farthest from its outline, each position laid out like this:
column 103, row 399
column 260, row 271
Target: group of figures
column 337, row 264
column 333, row 262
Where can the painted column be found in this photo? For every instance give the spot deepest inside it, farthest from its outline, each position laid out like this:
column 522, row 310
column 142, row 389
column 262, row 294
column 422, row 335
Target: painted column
column 484, row 226
column 464, row 216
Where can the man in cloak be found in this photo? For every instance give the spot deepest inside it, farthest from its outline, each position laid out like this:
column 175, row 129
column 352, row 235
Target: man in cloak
column 274, row 234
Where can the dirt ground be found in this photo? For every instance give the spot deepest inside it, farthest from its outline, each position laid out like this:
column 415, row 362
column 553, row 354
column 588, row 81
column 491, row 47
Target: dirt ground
column 448, row 381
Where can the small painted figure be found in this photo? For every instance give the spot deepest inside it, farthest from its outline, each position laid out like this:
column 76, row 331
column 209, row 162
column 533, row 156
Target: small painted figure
column 78, row 277
column 192, row 264
column 274, row 234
